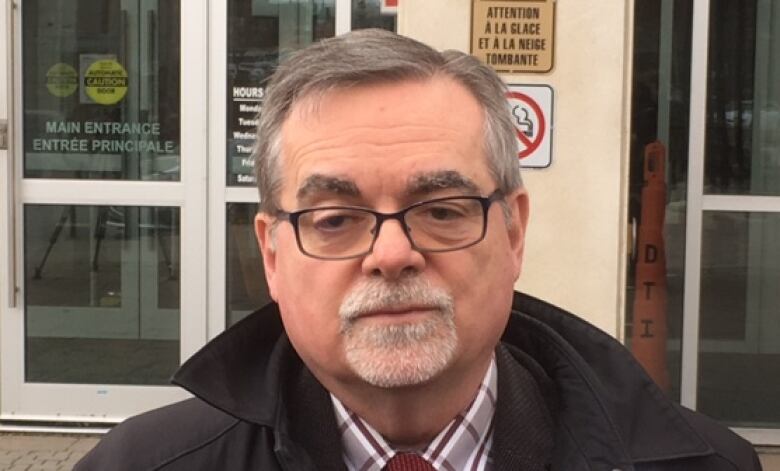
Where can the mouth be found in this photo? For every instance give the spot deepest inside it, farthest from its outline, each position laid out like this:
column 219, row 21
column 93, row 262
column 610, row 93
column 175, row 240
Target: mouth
column 399, row 314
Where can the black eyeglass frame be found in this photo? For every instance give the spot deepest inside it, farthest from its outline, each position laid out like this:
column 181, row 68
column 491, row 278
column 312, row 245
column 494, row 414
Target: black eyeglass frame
column 486, row 201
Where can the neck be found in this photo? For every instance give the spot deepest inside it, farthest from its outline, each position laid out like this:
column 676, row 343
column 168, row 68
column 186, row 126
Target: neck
column 412, row 416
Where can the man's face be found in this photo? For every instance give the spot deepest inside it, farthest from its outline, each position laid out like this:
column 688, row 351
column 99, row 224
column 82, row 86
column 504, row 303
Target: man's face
column 395, row 317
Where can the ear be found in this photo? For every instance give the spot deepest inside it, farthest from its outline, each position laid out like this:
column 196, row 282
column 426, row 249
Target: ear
column 264, row 224
column 519, row 206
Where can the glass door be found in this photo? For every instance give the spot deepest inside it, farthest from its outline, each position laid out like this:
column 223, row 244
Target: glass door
column 248, row 38
column 730, row 353
column 707, row 91
column 109, row 206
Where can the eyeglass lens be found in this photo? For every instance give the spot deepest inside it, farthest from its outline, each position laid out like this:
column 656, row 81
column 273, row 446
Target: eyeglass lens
column 433, row 226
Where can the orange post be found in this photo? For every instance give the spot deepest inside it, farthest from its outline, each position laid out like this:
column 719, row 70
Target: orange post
column 648, row 339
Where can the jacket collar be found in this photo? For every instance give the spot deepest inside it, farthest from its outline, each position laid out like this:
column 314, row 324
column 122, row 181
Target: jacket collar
column 251, row 372
column 239, row 371
column 606, row 401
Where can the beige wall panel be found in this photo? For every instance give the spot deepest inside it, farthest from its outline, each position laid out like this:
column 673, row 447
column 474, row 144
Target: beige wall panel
column 4, row 51
column 576, row 237
column 443, row 24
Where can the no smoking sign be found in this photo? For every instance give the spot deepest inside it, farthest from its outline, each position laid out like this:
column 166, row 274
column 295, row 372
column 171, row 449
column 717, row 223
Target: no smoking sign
column 532, row 107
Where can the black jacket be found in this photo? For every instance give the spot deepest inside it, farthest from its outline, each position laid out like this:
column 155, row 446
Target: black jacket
column 257, row 407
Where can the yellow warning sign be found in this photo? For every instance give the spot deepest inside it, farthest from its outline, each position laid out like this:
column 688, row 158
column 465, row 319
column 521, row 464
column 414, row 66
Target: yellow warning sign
column 62, row 80
column 513, row 36
column 105, row 81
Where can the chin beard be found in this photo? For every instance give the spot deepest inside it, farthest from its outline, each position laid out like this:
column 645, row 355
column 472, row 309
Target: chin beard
column 402, row 354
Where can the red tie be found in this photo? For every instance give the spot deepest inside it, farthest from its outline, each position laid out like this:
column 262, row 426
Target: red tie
column 408, row 462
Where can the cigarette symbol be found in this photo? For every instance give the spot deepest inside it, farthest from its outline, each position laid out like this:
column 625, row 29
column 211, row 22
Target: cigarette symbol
column 523, row 122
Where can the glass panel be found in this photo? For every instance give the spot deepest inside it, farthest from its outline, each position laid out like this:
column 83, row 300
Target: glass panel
column 246, row 288
column 740, row 318
column 660, row 101
column 258, row 30
column 374, row 14
column 743, row 102
column 101, row 294
column 101, row 89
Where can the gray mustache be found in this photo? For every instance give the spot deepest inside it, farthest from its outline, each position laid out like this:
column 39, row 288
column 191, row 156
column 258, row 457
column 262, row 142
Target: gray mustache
column 378, row 294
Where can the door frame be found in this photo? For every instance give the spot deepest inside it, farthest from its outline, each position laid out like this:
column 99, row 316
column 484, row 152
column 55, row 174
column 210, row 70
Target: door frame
column 63, row 403
column 220, row 193
column 202, row 196
column 697, row 203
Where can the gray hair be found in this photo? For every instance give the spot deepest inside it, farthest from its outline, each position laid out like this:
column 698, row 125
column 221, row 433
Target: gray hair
column 373, row 56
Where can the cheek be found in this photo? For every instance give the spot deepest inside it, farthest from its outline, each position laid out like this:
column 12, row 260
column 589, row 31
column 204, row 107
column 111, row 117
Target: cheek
column 302, row 280
column 483, row 272
column 307, row 334
column 312, row 328
column 303, row 288
column 309, row 296
column 482, row 285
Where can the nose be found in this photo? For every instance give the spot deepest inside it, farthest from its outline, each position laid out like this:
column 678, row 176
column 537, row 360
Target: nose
column 392, row 255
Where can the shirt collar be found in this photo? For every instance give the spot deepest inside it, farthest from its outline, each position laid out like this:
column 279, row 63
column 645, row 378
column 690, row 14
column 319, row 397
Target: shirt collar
column 463, row 444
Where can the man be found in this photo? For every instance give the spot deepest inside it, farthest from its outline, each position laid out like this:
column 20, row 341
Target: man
column 392, row 225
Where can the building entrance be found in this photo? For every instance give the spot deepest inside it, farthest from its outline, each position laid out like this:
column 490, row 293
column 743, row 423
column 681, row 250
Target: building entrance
column 706, row 87
column 108, row 201
column 131, row 190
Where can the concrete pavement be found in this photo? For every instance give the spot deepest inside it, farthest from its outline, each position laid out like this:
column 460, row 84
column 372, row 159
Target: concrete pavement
column 43, row 452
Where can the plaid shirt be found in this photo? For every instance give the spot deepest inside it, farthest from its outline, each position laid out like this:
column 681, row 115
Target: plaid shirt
column 464, row 444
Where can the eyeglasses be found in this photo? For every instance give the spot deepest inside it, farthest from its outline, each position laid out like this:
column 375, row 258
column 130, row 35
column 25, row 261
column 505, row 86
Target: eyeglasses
column 437, row 225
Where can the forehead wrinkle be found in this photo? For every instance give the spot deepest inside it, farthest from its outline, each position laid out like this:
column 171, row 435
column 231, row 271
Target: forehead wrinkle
column 375, row 136
column 429, row 182
column 328, row 184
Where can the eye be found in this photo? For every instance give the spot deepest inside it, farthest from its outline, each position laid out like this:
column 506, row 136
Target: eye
column 336, row 220
column 444, row 212
column 331, row 222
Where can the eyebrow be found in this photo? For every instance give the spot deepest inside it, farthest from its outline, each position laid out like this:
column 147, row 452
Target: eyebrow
column 318, row 183
column 429, row 182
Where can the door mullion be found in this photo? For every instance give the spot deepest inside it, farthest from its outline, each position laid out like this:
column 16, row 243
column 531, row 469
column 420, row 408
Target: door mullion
column 693, row 226
column 343, row 16
column 195, row 175
column 217, row 164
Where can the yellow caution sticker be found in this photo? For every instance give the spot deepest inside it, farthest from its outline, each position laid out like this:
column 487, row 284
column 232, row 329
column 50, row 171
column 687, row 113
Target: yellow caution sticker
column 105, row 81
column 62, row 80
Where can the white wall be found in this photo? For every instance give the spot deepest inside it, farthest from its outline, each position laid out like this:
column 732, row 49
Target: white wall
column 3, row 58
column 576, row 239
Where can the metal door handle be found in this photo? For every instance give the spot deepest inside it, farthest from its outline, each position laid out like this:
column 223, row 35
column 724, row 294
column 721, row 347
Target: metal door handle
column 3, row 134
column 8, row 195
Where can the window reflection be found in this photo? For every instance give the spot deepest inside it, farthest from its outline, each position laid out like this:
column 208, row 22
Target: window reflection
column 246, row 288
column 101, row 89
column 743, row 99
column 258, row 32
column 374, row 14
column 660, row 102
column 102, row 294
column 739, row 353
